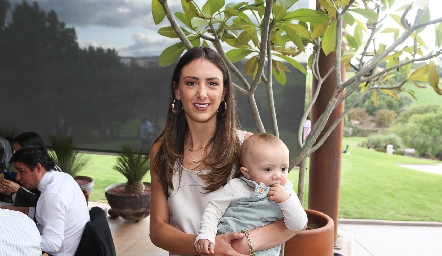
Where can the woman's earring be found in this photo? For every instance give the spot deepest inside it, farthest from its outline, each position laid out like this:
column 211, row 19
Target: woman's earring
column 222, row 109
column 178, row 105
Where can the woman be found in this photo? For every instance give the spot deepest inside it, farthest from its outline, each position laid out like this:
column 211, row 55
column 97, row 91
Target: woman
column 196, row 155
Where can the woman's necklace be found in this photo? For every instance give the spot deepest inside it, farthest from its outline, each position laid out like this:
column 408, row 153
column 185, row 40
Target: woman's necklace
column 193, row 150
column 193, row 161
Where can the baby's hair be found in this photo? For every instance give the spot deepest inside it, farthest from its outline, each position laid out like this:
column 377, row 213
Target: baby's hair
column 252, row 143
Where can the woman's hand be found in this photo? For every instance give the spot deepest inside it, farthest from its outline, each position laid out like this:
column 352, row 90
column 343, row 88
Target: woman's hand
column 231, row 244
column 10, row 186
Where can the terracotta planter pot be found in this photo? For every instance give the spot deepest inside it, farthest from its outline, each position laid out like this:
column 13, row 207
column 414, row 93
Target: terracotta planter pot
column 316, row 240
column 129, row 207
column 85, row 182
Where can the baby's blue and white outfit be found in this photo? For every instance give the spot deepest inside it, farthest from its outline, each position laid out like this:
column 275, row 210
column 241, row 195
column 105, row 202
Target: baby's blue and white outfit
column 238, row 206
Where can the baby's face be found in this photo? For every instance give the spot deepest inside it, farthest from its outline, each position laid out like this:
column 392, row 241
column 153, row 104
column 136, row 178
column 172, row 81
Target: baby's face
column 268, row 164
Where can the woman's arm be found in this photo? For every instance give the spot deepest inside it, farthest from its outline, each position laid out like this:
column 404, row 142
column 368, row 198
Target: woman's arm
column 162, row 233
column 260, row 237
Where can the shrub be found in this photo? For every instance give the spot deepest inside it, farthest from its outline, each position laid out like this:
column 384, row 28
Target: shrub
column 379, row 142
column 422, row 131
column 358, row 114
column 351, row 127
column 384, row 117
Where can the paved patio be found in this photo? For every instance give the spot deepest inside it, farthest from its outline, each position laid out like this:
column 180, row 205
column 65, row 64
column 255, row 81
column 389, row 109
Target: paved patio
column 131, row 238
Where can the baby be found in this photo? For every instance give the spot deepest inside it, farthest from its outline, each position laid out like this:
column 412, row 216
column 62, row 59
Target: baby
column 260, row 196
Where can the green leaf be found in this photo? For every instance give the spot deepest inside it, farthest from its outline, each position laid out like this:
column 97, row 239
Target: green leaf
column 433, row 78
column 243, row 39
column 199, row 23
column 205, row 44
column 293, row 62
column 375, row 98
column 310, row 61
column 278, row 12
column 286, row 3
column 358, row 35
column 230, row 11
column 158, row 13
column 171, row 54
column 391, row 93
column 183, row 18
column 251, row 66
column 351, row 41
column 348, row 19
column 308, row 15
column 169, row 32
column 329, row 40
column 236, row 55
column 189, row 9
column 347, row 56
column 369, row 14
column 212, row 6
column 328, row 6
column 292, row 33
column 279, row 75
column 439, row 35
column 301, row 30
column 420, row 74
column 319, row 30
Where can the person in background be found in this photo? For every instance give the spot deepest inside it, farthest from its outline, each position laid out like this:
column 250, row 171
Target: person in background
column 62, row 128
column 306, row 129
column 262, row 194
column 18, row 235
column 61, row 211
column 196, row 155
column 5, row 156
column 146, row 132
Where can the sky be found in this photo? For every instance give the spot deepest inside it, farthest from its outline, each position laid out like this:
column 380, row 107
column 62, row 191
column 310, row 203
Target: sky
column 125, row 25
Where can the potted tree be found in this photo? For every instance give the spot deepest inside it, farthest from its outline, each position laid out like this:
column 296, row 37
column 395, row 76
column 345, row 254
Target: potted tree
column 71, row 161
column 269, row 34
column 130, row 200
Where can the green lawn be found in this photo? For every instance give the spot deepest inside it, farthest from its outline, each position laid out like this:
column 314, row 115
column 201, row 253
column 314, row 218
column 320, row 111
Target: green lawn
column 372, row 186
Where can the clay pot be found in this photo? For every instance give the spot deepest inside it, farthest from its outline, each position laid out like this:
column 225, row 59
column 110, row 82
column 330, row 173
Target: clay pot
column 128, row 206
column 316, row 240
column 85, row 182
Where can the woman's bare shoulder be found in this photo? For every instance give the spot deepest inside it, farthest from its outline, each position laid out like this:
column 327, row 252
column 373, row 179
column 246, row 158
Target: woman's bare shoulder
column 248, row 134
column 154, row 148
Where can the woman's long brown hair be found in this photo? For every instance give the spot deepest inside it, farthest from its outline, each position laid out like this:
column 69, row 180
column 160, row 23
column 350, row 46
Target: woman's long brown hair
column 224, row 144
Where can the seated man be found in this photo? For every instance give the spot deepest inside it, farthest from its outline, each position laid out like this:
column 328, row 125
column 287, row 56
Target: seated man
column 61, row 211
column 18, row 234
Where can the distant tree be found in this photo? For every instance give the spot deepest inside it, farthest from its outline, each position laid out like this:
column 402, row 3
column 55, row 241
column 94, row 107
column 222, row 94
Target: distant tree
column 4, row 6
column 44, row 73
column 420, row 128
column 384, row 102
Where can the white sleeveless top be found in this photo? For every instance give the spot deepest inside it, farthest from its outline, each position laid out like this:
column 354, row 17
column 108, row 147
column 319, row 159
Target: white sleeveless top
column 188, row 201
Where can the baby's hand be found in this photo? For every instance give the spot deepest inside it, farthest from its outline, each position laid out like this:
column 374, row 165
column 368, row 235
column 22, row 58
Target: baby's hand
column 278, row 193
column 204, row 246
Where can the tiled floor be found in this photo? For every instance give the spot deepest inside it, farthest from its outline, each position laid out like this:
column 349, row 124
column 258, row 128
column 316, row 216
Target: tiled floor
column 131, row 238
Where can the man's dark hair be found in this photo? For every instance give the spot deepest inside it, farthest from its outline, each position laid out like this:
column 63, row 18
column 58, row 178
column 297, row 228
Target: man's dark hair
column 32, row 155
